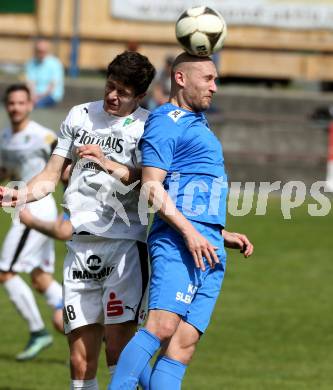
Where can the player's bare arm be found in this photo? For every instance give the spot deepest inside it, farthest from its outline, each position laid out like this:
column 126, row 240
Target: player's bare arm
column 124, row 173
column 60, row 229
column 197, row 244
column 38, row 187
column 238, row 241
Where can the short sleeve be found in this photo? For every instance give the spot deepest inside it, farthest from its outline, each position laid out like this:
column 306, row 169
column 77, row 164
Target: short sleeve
column 57, row 70
column 158, row 143
column 66, row 137
column 29, row 73
column 49, row 141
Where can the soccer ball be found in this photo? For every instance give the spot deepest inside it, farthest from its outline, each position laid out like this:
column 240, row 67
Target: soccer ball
column 201, row 31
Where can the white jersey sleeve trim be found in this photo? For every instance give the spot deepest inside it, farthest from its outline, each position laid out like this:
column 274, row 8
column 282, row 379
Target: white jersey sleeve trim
column 66, row 136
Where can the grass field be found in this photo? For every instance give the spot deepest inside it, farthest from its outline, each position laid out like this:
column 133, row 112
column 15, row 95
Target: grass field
column 272, row 327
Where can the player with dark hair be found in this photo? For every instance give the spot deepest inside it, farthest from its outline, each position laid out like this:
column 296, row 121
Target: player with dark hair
column 25, row 147
column 105, row 270
column 131, row 70
column 15, row 88
column 183, row 175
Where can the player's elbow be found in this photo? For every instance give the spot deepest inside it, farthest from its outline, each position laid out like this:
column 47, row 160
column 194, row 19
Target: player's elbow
column 63, row 232
column 63, row 236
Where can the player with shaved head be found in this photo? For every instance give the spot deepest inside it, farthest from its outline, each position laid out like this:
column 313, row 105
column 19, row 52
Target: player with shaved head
column 183, row 172
column 193, row 82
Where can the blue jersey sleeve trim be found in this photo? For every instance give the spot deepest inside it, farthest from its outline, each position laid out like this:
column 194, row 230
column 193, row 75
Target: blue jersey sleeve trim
column 155, row 165
column 159, row 142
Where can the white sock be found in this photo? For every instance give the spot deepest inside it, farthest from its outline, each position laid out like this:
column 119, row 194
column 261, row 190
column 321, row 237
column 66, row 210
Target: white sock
column 53, row 295
column 89, row 384
column 112, row 370
column 22, row 297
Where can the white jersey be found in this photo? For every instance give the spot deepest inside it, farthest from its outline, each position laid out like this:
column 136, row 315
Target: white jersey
column 97, row 202
column 24, row 154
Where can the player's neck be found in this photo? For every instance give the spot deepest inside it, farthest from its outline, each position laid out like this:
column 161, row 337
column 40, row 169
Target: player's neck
column 17, row 127
column 177, row 100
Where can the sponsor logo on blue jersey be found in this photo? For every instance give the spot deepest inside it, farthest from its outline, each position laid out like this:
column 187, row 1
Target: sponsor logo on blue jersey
column 176, row 114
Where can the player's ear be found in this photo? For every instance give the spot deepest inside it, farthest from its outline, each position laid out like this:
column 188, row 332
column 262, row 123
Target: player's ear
column 179, row 78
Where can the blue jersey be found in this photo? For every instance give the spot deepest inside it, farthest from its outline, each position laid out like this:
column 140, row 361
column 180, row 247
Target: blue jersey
column 180, row 142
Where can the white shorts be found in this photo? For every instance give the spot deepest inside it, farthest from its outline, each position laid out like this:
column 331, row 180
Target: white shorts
column 24, row 249
column 105, row 281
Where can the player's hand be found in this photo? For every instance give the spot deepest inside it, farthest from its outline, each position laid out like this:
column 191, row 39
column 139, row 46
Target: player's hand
column 93, row 152
column 26, row 217
column 200, row 247
column 238, row 241
column 9, row 197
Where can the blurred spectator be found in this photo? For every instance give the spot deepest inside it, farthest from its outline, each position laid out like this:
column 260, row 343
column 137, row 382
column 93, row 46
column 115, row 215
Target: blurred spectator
column 162, row 85
column 132, row 46
column 45, row 76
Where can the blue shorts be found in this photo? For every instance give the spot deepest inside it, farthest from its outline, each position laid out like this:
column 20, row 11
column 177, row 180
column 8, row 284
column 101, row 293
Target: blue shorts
column 176, row 284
